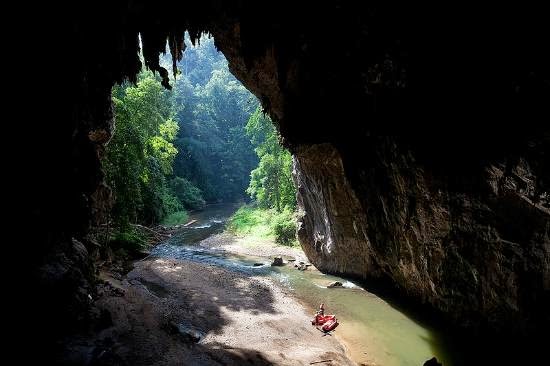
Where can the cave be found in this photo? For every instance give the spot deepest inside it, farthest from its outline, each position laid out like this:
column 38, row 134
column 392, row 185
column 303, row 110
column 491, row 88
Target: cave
column 420, row 137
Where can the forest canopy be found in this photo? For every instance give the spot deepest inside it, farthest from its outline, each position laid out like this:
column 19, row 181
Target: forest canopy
column 205, row 141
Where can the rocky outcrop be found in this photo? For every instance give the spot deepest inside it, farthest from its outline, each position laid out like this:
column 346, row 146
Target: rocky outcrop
column 62, row 289
column 478, row 251
column 332, row 226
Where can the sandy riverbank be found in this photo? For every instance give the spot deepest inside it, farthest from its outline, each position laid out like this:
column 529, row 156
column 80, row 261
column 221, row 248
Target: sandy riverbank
column 257, row 247
column 268, row 249
column 242, row 319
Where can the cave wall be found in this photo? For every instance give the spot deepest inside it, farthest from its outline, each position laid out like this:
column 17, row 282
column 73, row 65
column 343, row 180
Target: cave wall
column 421, row 142
column 477, row 251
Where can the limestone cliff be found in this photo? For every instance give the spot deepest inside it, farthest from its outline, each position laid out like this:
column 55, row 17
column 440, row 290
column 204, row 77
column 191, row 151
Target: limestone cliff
column 480, row 256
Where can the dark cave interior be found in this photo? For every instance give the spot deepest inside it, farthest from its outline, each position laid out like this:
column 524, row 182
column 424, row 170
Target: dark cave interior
column 425, row 127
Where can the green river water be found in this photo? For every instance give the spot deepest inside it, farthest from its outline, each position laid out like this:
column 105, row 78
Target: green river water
column 373, row 331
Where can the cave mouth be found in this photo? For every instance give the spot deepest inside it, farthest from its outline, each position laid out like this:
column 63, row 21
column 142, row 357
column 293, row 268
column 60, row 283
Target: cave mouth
column 204, row 140
column 176, row 150
column 448, row 202
column 204, row 99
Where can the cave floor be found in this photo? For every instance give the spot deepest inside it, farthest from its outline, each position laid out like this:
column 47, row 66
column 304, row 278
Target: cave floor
column 160, row 308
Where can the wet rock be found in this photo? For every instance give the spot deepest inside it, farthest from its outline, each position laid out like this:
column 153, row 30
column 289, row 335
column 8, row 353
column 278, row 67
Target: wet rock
column 301, row 266
column 258, row 264
column 187, row 333
column 277, row 261
column 107, row 289
column 335, row 284
column 66, row 283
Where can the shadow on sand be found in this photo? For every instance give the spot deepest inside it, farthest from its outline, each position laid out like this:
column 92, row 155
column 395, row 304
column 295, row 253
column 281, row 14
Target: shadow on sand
column 158, row 295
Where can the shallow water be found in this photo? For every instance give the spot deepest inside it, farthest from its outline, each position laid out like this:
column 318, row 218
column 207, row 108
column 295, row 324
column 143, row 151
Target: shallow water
column 210, row 221
column 374, row 331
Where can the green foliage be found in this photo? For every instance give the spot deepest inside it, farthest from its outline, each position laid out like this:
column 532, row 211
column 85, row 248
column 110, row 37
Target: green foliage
column 284, row 227
column 176, row 218
column 213, row 107
column 271, row 182
column 162, row 147
column 245, row 219
column 176, row 150
column 141, row 153
column 189, row 195
column 128, row 239
column 270, row 185
column 206, row 141
column 262, row 223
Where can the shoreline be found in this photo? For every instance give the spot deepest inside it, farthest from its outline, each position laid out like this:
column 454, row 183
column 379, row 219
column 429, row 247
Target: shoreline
column 174, row 311
column 266, row 248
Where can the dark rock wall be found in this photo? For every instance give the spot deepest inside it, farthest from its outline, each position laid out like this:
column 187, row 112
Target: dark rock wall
column 420, row 135
column 332, row 226
column 479, row 254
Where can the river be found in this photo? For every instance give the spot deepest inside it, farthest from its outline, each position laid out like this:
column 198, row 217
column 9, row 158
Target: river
column 373, row 330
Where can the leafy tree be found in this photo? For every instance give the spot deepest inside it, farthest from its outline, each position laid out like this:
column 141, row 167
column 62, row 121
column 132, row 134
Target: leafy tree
column 141, row 153
column 205, row 142
column 212, row 109
column 189, row 195
column 271, row 182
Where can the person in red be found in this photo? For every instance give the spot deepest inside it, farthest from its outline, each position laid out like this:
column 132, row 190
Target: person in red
column 319, row 313
column 321, row 309
column 328, row 322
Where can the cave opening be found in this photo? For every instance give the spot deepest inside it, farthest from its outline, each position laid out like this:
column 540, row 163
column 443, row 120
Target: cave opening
column 406, row 169
column 204, row 142
column 201, row 143
column 181, row 149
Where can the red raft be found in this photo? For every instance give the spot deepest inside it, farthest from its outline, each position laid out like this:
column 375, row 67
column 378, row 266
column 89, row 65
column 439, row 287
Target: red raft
column 328, row 322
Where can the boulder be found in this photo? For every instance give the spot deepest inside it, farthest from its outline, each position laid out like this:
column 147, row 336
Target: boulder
column 187, row 333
